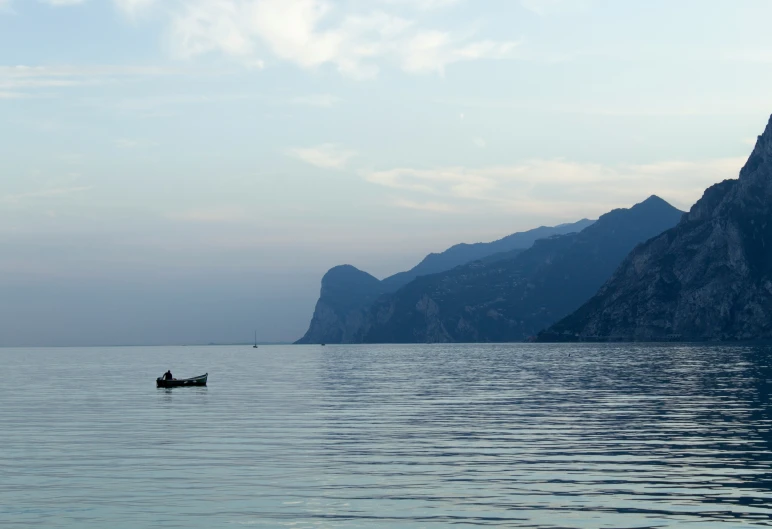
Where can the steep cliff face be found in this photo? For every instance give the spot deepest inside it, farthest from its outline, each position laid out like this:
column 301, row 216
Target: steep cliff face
column 510, row 300
column 709, row 278
column 347, row 292
column 338, row 316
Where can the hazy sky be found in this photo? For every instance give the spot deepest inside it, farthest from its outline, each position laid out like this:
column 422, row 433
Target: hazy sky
column 179, row 171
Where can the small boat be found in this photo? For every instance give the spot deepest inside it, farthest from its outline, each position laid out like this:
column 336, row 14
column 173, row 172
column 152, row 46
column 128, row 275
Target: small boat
column 255, row 346
column 195, row 381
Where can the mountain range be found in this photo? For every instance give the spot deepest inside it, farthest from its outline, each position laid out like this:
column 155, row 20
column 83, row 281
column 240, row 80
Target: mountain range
column 513, row 299
column 708, row 278
column 647, row 273
column 347, row 292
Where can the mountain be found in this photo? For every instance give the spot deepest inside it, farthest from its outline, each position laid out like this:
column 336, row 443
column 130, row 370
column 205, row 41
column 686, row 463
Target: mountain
column 346, row 291
column 709, row 278
column 513, row 299
column 466, row 253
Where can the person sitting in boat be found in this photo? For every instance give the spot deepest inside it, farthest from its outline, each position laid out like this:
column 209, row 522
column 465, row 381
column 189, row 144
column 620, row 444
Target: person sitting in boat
column 168, row 375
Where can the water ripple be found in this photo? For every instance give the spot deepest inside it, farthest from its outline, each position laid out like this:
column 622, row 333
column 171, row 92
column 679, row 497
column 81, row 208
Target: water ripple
column 541, row 436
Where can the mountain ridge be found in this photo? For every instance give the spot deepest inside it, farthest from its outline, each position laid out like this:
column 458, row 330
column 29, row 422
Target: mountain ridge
column 339, row 312
column 708, row 278
column 463, row 253
column 511, row 300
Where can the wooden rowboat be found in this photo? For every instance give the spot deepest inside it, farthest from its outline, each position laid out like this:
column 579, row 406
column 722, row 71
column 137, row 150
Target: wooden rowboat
column 195, row 381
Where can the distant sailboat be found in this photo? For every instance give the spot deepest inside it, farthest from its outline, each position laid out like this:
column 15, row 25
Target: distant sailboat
column 255, row 346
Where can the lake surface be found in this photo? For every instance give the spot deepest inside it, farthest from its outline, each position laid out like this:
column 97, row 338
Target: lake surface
column 622, row 436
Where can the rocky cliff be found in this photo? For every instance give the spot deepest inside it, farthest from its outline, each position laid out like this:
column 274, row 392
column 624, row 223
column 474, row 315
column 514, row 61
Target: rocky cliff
column 709, row 278
column 512, row 299
column 338, row 315
column 347, row 292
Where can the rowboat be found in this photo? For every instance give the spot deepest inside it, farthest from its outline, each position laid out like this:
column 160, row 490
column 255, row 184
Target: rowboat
column 195, row 381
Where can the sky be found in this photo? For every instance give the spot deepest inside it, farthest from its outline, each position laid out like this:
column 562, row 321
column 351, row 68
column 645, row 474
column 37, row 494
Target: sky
column 185, row 171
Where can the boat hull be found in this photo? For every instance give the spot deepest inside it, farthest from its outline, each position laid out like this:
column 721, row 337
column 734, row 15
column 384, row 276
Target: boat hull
column 185, row 382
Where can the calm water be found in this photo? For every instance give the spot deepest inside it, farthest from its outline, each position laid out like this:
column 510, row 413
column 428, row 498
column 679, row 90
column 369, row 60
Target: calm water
column 408, row 436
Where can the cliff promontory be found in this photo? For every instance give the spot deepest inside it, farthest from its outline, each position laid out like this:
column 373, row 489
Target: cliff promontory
column 347, row 292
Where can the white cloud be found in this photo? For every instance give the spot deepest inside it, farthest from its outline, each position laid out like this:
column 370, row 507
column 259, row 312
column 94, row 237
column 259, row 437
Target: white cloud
column 26, row 71
column 218, row 25
column 57, row 192
column 453, row 182
column 432, row 51
column 431, row 207
column 422, row 5
column 327, row 156
column 480, row 142
column 129, row 143
column 215, row 215
column 25, row 81
column 125, row 143
column 353, row 38
column 557, row 187
column 289, row 28
column 316, row 100
column 708, row 106
column 557, row 7
column 58, row 3
column 135, row 7
column 759, row 56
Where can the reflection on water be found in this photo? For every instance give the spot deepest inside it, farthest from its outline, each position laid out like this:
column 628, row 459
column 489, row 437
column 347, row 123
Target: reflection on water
column 388, row 436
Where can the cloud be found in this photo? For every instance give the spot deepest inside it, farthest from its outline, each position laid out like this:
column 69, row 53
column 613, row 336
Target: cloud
column 432, row 51
column 316, row 100
column 674, row 107
column 556, row 187
column 43, row 193
column 758, row 56
column 125, row 143
column 134, row 8
column 422, row 5
column 214, row 215
column 327, row 156
column 58, row 3
column 557, row 7
column 431, row 207
column 200, row 27
column 23, row 80
column 480, row 142
column 4, row 94
column 354, row 38
column 129, row 143
column 5, row 5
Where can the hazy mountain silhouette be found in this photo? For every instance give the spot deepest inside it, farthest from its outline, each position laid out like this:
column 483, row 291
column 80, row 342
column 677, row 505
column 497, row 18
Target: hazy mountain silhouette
column 709, row 278
column 466, row 253
column 347, row 291
column 512, row 299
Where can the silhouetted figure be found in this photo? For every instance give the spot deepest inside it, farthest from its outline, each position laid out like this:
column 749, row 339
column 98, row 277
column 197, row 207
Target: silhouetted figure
column 168, row 375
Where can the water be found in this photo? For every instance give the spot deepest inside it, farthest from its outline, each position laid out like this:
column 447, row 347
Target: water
column 387, row 436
